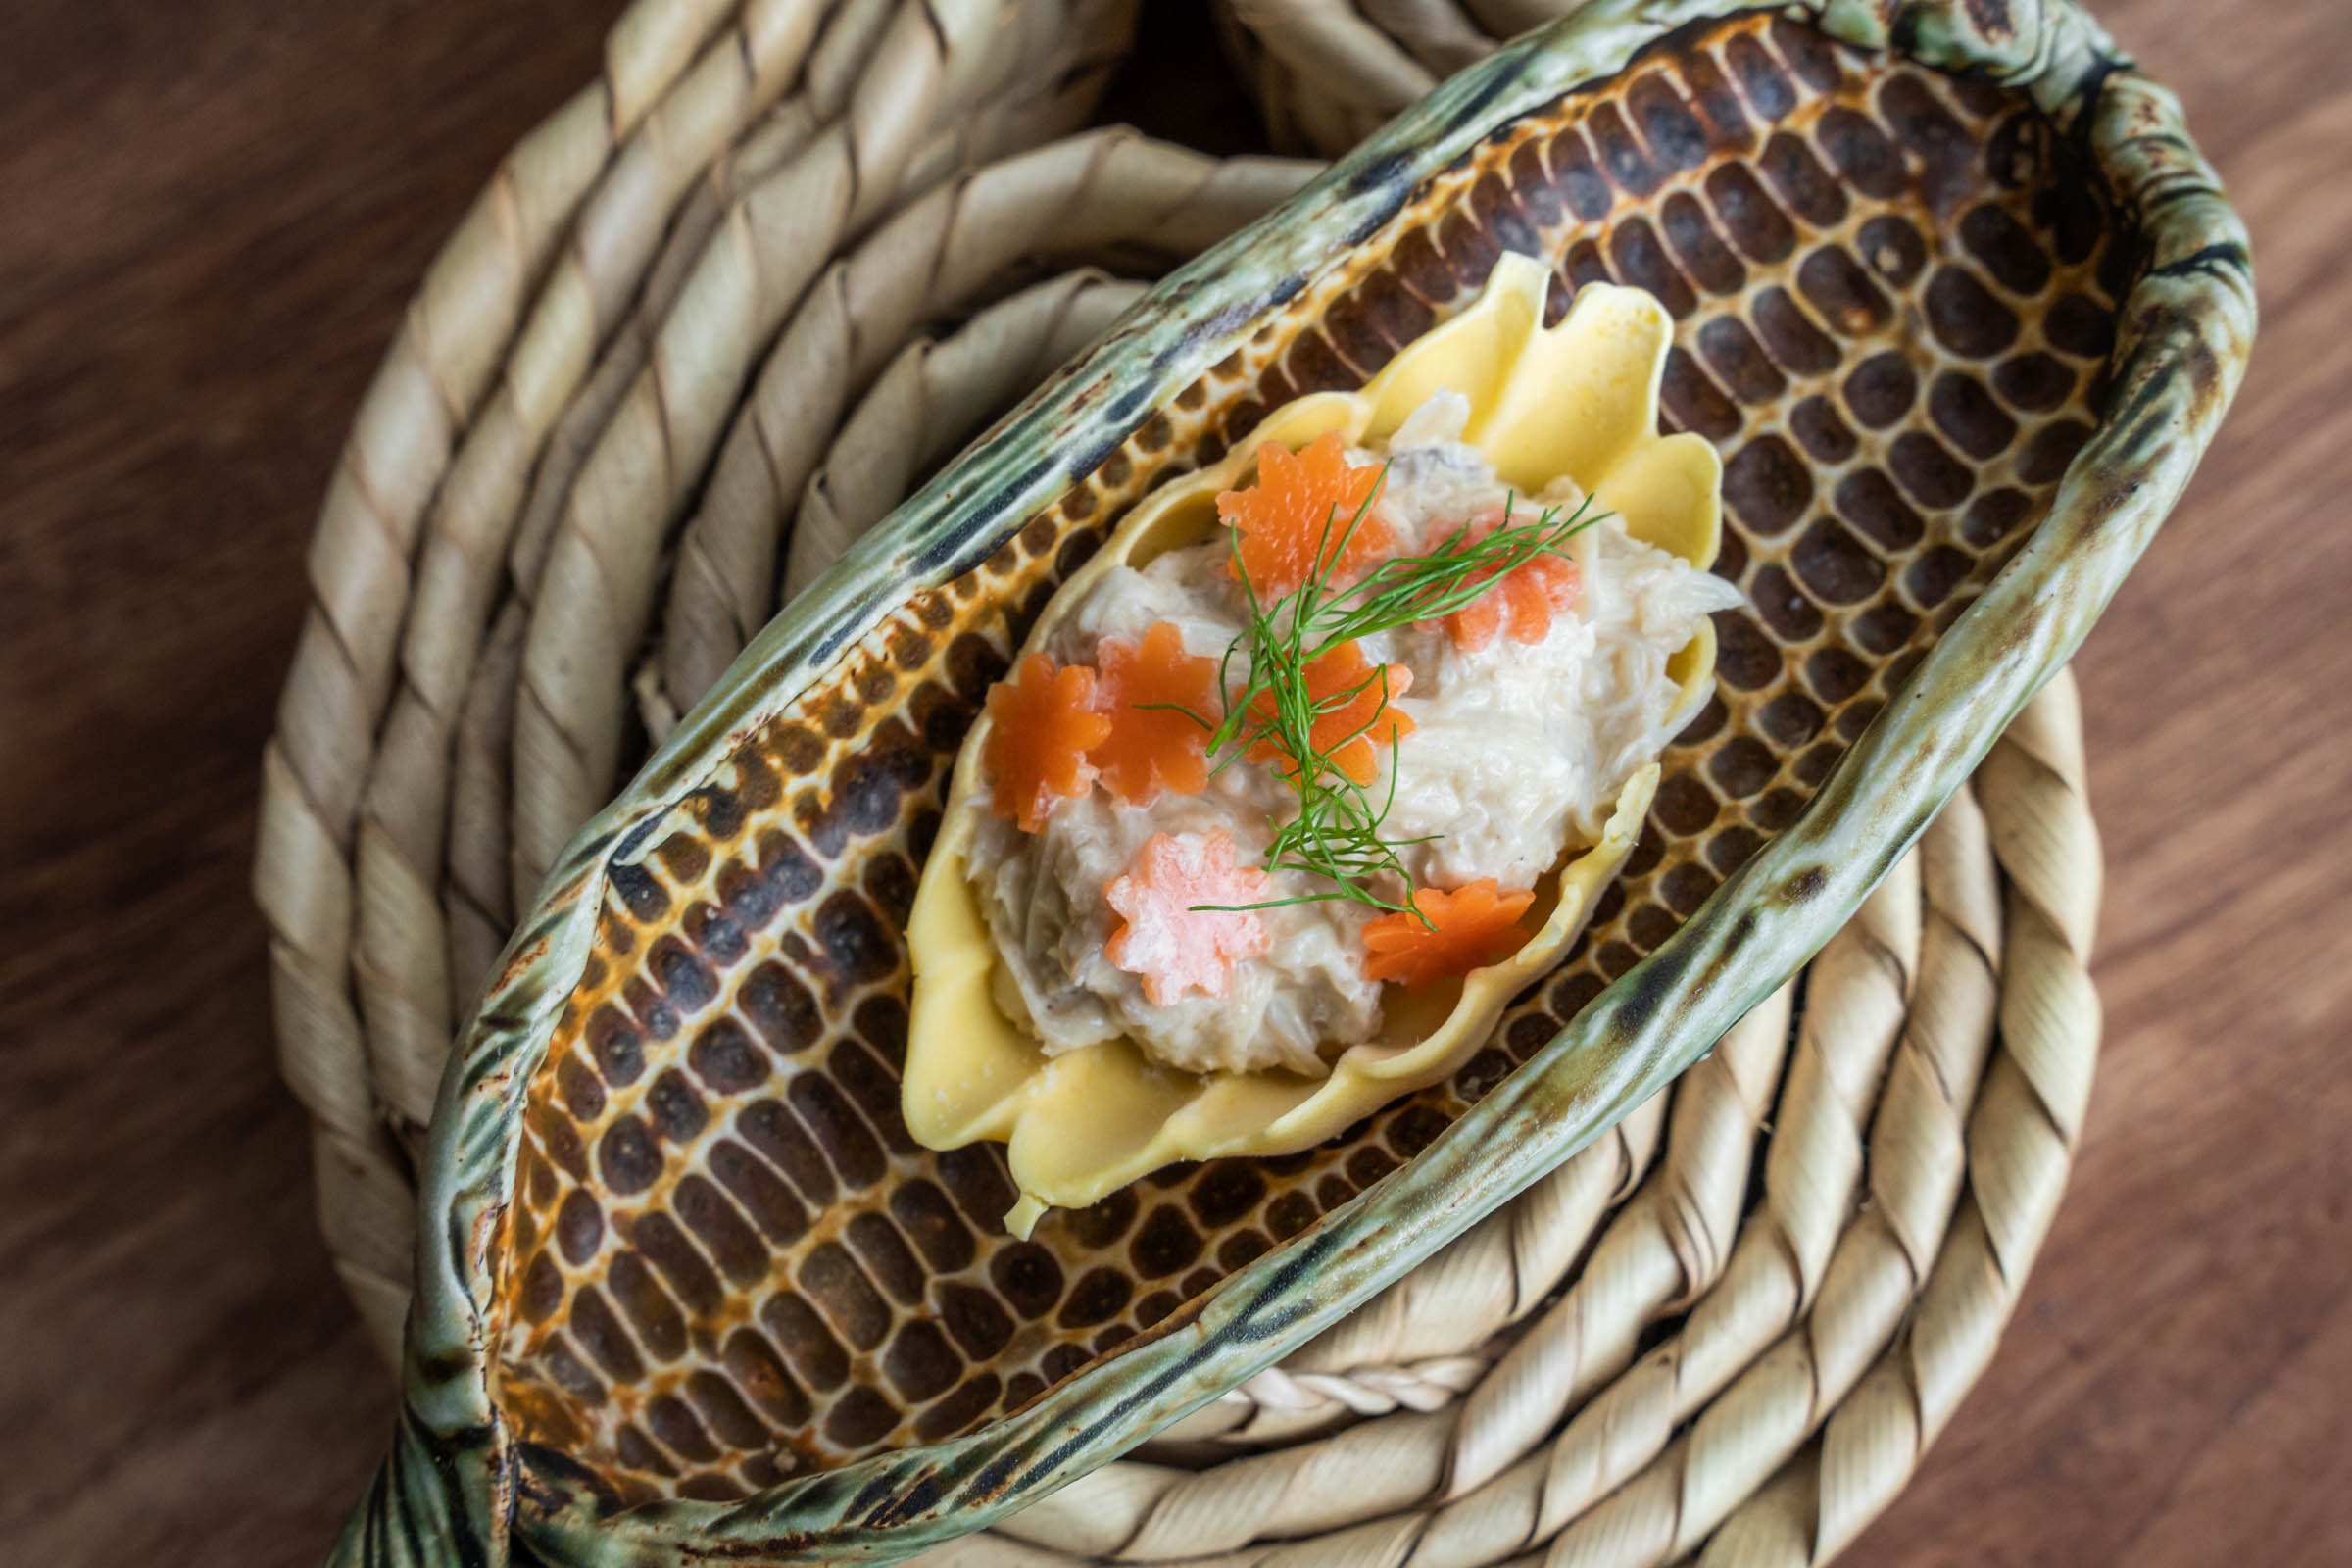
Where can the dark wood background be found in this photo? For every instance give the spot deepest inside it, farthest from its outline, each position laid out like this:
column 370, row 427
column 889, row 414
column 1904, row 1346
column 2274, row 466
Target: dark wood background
column 211, row 214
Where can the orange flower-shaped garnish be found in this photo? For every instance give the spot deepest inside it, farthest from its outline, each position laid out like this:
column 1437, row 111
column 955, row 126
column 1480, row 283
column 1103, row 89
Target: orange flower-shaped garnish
column 1152, row 747
column 1301, row 506
column 1166, row 940
column 1522, row 603
column 1042, row 724
column 1476, row 924
column 1355, row 719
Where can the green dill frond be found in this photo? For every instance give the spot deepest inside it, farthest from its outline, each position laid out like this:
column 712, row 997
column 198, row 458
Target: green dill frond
column 1336, row 834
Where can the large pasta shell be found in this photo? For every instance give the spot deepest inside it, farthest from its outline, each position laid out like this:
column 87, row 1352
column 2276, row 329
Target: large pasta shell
column 1580, row 399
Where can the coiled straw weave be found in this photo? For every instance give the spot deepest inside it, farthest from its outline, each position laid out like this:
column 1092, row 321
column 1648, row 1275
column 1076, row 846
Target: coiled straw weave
column 1327, row 72
column 716, row 316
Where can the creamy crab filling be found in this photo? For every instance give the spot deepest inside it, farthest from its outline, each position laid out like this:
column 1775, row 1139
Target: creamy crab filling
column 1497, row 739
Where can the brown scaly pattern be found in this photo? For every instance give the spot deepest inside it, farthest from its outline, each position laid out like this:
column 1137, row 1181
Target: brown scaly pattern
column 729, row 1261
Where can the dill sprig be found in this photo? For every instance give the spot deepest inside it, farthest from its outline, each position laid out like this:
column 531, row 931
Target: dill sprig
column 1337, row 837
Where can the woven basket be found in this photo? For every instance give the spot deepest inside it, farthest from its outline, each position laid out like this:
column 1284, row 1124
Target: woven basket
column 722, row 313
column 1328, row 72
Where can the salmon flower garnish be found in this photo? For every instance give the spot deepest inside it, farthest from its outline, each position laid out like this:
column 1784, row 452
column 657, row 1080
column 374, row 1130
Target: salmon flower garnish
column 1165, row 937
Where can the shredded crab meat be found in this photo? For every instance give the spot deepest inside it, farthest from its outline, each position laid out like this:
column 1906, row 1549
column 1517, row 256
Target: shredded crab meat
column 1492, row 740
column 1173, row 940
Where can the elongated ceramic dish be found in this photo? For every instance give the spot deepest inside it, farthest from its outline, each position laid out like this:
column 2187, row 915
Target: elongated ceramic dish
column 1958, row 305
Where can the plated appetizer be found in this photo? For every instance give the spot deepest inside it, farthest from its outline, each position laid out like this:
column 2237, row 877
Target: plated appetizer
column 1325, row 755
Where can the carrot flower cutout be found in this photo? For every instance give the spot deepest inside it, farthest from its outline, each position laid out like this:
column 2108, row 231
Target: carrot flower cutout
column 1356, row 718
column 1522, row 602
column 1295, row 522
column 1152, row 746
column 1167, row 939
column 1449, row 934
column 1042, row 724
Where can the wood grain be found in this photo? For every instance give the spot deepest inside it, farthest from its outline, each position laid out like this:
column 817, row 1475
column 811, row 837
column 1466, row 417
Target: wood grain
column 216, row 211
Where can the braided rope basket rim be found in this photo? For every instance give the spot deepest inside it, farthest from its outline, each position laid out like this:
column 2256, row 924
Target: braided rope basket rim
column 1357, row 1387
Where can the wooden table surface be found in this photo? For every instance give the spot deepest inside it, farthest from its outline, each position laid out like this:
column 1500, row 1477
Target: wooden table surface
column 211, row 214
